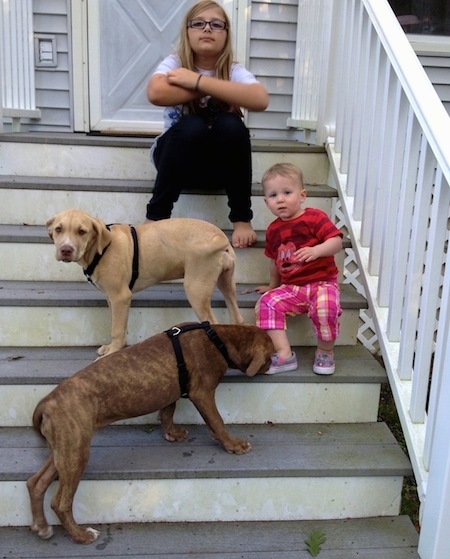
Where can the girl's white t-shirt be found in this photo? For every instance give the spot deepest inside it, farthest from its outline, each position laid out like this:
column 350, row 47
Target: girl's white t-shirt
column 171, row 115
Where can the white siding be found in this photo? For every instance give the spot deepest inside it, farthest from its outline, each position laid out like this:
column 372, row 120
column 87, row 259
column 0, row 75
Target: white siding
column 53, row 85
column 271, row 58
column 437, row 68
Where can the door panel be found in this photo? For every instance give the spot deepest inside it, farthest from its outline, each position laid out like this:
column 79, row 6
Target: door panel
column 127, row 40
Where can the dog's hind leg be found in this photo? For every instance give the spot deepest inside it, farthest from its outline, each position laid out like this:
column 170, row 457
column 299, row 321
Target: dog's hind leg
column 199, row 288
column 171, row 431
column 70, row 465
column 37, row 485
column 227, row 287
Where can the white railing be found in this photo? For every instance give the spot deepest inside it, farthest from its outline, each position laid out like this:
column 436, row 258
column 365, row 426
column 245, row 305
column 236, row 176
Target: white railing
column 389, row 149
column 311, row 64
column 17, row 93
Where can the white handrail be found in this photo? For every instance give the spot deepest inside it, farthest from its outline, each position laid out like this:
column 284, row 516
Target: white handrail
column 390, row 160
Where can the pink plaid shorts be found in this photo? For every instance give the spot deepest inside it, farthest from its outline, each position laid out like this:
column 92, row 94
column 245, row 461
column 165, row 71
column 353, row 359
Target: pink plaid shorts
column 319, row 300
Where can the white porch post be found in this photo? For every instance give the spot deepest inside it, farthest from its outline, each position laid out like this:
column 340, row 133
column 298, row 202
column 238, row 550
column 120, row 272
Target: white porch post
column 17, row 61
column 311, row 63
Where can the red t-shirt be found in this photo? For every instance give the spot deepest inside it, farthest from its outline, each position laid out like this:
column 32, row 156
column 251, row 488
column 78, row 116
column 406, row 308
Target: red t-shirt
column 283, row 238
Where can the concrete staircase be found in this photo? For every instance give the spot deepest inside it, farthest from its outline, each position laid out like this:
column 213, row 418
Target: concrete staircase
column 319, row 457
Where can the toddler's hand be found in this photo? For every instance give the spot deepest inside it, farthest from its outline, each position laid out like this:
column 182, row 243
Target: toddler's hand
column 261, row 289
column 306, row 254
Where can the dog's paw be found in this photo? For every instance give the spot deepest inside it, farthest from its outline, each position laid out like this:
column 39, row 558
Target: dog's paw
column 176, row 434
column 107, row 349
column 44, row 533
column 103, row 350
column 237, row 446
column 85, row 536
column 94, row 533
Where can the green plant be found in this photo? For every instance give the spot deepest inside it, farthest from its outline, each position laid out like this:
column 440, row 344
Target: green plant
column 315, row 541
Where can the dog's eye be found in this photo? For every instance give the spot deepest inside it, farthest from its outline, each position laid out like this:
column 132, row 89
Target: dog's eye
column 82, row 232
column 58, row 229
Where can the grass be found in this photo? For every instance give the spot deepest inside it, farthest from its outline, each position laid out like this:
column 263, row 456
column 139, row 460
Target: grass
column 388, row 413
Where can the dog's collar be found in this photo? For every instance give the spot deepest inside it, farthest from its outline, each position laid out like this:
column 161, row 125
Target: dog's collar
column 175, row 331
column 135, row 270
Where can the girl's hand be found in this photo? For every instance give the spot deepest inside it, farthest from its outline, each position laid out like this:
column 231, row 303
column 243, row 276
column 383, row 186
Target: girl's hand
column 182, row 77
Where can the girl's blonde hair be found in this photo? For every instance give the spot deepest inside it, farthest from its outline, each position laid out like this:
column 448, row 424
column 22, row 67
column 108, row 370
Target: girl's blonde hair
column 185, row 53
column 287, row 170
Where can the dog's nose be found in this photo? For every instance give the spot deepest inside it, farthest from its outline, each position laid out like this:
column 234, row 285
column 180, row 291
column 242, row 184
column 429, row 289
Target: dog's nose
column 66, row 251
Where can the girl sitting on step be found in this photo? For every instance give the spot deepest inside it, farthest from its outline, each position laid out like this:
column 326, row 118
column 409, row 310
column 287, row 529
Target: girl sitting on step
column 205, row 142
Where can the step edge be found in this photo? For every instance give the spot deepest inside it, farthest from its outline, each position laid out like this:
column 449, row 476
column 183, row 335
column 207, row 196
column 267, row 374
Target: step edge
column 24, row 182
column 33, row 294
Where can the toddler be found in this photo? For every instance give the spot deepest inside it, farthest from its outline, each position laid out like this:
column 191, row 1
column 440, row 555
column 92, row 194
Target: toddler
column 300, row 243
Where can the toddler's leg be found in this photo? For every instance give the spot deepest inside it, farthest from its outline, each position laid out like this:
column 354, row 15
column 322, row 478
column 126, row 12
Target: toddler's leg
column 325, row 312
column 271, row 311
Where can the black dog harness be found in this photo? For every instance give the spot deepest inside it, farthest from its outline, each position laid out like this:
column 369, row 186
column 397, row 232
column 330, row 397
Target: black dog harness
column 174, row 333
column 135, row 271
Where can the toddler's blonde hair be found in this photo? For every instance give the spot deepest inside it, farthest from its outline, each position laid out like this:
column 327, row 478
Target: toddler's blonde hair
column 288, row 170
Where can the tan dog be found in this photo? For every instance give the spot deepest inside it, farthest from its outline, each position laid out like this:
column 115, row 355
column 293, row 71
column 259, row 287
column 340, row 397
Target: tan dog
column 140, row 379
column 167, row 250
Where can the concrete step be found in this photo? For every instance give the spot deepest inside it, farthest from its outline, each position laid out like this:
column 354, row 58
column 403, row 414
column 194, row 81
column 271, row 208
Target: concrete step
column 76, row 313
column 28, row 254
column 362, row 538
column 351, row 395
column 293, row 472
column 124, row 201
column 97, row 156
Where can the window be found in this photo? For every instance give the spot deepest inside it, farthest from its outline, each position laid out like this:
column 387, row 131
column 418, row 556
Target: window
column 427, row 17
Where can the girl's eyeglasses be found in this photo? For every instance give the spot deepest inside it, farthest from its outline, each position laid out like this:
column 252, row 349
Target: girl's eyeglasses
column 214, row 25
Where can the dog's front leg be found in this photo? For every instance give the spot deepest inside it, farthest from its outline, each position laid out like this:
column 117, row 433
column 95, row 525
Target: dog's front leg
column 119, row 305
column 205, row 403
column 171, row 432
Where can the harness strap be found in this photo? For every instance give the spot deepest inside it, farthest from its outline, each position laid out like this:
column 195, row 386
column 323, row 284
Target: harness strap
column 135, row 270
column 135, row 267
column 175, row 331
column 90, row 269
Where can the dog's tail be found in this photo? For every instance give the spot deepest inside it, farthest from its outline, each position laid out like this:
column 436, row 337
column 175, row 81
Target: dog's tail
column 38, row 416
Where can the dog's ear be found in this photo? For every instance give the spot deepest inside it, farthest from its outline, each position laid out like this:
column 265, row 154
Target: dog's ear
column 261, row 353
column 257, row 364
column 260, row 362
column 49, row 226
column 103, row 234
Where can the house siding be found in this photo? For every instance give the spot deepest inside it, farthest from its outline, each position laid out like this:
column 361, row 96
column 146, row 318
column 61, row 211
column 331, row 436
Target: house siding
column 53, row 85
column 272, row 44
column 437, row 67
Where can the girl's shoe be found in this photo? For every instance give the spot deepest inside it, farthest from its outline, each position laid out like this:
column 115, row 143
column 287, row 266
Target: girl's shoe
column 280, row 365
column 324, row 364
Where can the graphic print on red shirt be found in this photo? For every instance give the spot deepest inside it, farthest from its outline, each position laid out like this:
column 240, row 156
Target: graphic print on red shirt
column 283, row 238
